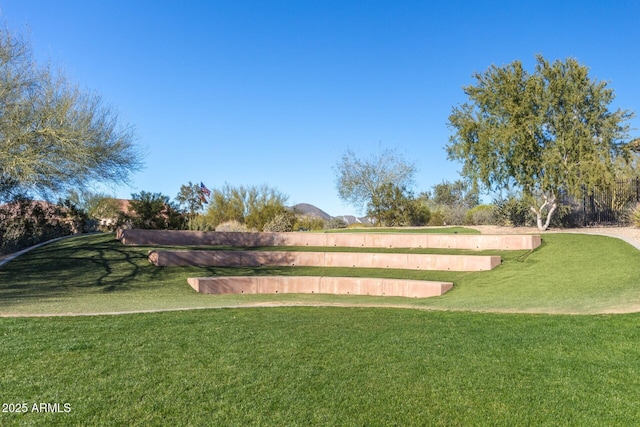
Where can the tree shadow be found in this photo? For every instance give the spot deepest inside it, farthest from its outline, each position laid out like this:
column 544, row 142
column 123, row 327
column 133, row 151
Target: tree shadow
column 165, row 238
column 58, row 270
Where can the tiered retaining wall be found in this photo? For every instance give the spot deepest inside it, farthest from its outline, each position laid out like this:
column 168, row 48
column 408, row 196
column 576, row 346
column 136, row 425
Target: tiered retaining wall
column 330, row 285
column 324, row 259
column 319, row 285
column 367, row 240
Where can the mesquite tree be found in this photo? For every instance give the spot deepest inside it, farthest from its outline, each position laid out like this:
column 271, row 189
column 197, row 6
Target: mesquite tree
column 53, row 136
column 361, row 181
column 544, row 133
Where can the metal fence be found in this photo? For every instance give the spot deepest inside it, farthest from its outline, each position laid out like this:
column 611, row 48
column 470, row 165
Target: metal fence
column 606, row 206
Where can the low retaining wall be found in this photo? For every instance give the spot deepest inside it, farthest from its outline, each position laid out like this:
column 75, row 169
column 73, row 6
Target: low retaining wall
column 319, row 285
column 324, row 259
column 368, row 240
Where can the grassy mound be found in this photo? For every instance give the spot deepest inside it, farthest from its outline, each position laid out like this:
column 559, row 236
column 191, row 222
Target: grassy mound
column 321, row 365
column 569, row 273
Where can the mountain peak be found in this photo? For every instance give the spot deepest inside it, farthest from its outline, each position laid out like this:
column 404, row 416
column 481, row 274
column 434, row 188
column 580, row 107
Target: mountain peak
column 311, row 210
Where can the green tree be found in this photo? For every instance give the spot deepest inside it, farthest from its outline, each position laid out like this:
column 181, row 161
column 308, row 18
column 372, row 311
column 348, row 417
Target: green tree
column 98, row 206
column 25, row 222
column 360, row 180
column 154, row 211
column 104, row 207
column 389, row 205
column 453, row 194
column 544, row 133
column 191, row 198
column 451, row 200
column 54, row 136
column 395, row 206
column 253, row 206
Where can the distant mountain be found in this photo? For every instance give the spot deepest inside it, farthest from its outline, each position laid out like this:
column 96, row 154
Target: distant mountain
column 310, row 210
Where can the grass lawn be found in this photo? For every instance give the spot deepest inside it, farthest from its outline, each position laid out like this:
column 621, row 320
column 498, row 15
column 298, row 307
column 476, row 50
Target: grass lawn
column 413, row 230
column 323, row 366
column 569, row 273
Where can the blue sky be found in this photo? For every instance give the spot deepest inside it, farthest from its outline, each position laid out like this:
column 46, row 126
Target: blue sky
column 254, row 92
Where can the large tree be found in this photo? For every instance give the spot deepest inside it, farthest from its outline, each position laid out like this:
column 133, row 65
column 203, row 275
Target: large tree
column 394, row 206
column 545, row 133
column 53, row 136
column 454, row 194
column 360, row 181
column 154, row 211
column 192, row 199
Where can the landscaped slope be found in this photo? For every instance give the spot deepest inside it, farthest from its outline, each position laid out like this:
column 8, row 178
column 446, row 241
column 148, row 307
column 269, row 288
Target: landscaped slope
column 569, row 273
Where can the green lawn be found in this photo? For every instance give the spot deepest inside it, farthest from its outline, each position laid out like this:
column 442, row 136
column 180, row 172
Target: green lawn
column 323, row 365
column 569, row 273
column 310, row 366
column 429, row 230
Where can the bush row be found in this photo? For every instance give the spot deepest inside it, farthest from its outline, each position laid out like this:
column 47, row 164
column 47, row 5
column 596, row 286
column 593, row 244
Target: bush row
column 25, row 222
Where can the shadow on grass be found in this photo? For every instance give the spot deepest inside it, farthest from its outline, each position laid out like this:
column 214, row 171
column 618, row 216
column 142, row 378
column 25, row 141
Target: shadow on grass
column 80, row 265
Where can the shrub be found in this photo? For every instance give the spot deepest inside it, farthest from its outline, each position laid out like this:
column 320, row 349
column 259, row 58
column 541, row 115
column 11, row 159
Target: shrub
column 419, row 213
column 445, row 214
column 232, row 226
column 334, row 223
column 437, row 218
column 358, row 225
column 480, row 215
column 282, row 222
column 454, row 215
column 154, row 211
column 635, row 216
column 200, row 222
column 24, row 222
column 254, row 206
column 513, row 212
column 308, row 222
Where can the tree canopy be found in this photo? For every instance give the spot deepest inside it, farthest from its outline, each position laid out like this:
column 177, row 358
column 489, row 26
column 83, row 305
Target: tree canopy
column 545, row 133
column 393, row 206
column 454, row 194
column 361, row 181
column 154, row 211
column 53, row 136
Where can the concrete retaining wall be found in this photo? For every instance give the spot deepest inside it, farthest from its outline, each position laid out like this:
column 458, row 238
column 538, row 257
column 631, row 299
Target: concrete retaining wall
column 368, row 240
column 319, row 285
column 324, row 259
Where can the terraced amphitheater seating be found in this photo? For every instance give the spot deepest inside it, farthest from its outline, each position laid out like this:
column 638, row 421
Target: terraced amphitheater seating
column 353, row 240
column 320, row 285
column 167, row 258
column 330, row 285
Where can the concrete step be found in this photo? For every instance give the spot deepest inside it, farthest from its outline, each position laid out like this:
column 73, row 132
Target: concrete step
column 318, row 285
column 167, row 258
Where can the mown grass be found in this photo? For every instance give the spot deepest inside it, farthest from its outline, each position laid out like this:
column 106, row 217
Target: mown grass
column 323, row 365
column 569, row 273
column 413, row 230
column 309, row 366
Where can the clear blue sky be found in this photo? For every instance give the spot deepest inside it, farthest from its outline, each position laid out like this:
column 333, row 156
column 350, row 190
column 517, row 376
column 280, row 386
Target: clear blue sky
column 253, row 92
